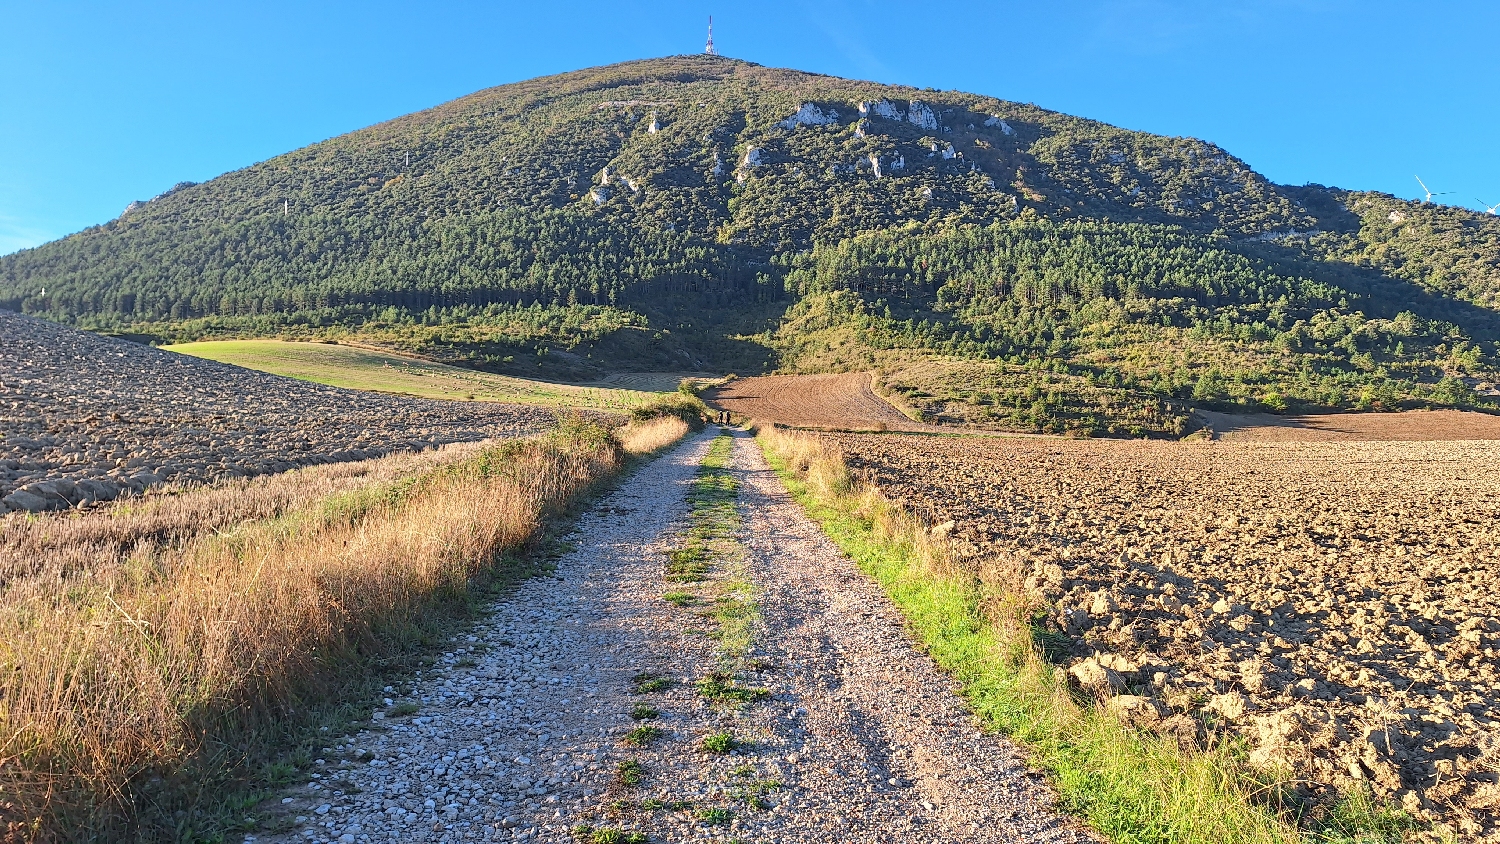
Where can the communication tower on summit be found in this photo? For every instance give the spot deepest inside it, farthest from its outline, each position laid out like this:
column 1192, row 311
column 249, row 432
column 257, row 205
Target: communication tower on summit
column 709, row 49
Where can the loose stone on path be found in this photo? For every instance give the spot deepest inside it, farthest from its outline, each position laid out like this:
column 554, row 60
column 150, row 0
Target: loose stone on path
column 518, row 733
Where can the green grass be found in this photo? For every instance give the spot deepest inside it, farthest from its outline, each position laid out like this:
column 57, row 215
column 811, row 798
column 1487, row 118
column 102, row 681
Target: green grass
column 1134, row 788
column 722, row 688
column 366, row 369
column 720, row 743
column 647, row 683
column 644, row 712
column 641, row 736
column 608, row 835
column 680, row 599
column 631, row 772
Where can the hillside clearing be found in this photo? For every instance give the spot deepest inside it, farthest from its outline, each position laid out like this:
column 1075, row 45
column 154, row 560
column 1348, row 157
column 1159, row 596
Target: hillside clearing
column 359, row 368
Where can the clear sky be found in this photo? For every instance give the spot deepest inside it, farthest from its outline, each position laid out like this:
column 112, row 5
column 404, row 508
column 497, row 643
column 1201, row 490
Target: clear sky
column 105, row 102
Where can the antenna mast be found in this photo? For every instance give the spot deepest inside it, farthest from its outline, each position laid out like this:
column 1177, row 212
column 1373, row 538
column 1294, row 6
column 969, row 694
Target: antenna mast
column 710, row 48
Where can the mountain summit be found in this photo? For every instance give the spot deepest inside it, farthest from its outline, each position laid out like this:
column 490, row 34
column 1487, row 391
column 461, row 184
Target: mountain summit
column 701, row 212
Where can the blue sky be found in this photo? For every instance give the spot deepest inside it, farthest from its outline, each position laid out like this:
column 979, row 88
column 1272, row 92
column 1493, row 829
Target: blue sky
column 102, row 103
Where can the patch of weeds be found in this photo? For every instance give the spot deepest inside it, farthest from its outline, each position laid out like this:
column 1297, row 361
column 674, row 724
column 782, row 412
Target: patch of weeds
column 721, row 688
column 401, row 710
column 630, row 772
column 654, row 804
column 644, row 712
column 641, row 736
column 715, row 817
column 647, row 683
column 687, row 565
column 720, row 742
column 466, row 663
column 680, row 599
column 743, row 771
column 608, row 835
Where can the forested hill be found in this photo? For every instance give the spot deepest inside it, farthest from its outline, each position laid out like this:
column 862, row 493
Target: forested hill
column 706, row 213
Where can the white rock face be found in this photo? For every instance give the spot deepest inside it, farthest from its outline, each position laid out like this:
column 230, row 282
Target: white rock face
column 718, row 165
column 752, row 158
column 899, row 163
column 599, row 195
column 949, row 152
column 810, row 115
column 921, row 115
column 859, row 128
column 654, row 127
column 605, row 176
column 882, row 108
column 1396, row 217
column 1116, row 158
column 875, row 165
column 995, row 120
column 630, row 183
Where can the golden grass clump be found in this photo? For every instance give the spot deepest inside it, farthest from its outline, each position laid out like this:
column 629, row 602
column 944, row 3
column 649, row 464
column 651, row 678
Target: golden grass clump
column 207, row 620
column 651, row 435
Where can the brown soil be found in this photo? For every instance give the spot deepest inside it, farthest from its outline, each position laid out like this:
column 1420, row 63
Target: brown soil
column 841, row 401
column 1412, row 426
column 1337, row 604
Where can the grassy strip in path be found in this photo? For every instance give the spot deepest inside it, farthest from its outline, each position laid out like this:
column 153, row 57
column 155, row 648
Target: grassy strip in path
column 1132, row 787
column 712, row 556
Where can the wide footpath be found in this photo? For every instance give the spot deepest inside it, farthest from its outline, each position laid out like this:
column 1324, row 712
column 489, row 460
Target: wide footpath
column 524, row 730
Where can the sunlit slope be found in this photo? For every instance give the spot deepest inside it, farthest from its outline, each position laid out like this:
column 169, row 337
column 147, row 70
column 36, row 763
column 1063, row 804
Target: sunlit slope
column 364, row 369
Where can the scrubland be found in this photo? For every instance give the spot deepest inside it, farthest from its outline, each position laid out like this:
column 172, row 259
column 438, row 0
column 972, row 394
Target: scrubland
column 155, row 655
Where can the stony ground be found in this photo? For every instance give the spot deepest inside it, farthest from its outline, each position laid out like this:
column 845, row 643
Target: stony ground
column 1337, row 603
column 85, row 418
column 523, row 731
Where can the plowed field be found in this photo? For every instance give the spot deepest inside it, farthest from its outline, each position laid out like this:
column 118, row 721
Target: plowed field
column 1412, row 426
column 1337, row 604
column 841, row 402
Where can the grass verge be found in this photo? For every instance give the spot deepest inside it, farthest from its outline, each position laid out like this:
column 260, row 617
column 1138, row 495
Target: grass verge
column 1133, row 787
column 144, row 699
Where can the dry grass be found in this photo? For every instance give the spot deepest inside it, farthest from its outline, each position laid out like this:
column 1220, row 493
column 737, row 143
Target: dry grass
column 651, row 435
column 207, row 619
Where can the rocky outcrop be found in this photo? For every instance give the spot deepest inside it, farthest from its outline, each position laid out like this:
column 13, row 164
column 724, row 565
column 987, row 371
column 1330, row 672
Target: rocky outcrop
column 921, row 115
column 810, row 115
column 86, row 419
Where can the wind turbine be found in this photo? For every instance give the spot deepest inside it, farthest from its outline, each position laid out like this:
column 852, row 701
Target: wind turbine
column 1430, row 194
column 1488, row 209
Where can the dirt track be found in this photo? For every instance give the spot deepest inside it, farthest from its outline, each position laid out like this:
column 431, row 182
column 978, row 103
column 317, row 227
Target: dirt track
column 1412, row 426
column 1335, row 603
column 842, row 401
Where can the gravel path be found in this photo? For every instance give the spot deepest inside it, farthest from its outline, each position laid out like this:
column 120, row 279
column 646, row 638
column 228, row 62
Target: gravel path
column 519, row 731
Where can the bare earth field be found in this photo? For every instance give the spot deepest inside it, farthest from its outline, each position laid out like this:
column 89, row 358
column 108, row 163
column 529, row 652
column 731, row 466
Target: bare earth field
column 1337, row 603
column 85, row 418
column 1416, row 425
column 841, row 401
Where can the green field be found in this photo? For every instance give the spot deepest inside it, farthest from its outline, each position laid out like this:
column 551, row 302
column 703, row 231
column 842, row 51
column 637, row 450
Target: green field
column 366, row 369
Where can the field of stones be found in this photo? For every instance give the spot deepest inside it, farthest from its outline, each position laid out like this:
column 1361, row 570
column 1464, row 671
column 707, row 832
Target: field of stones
column 1334, row 604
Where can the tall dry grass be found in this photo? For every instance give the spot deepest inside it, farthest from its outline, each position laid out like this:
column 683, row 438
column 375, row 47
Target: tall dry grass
column 127, row 688
column 975, row 622
column 651, row 435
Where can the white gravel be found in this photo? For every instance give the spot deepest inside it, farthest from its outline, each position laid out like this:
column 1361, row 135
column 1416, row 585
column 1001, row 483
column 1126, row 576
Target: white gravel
column 862, row 736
